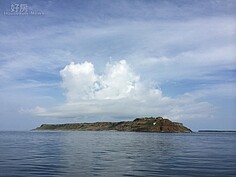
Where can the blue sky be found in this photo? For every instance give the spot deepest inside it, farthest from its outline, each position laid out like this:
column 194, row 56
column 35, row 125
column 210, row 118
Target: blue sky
column 86, row 61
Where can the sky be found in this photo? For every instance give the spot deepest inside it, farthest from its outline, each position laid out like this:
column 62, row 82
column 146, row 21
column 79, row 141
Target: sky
column 116, row 60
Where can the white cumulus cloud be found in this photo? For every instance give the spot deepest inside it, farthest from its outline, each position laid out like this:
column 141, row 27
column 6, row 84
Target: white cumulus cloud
column 78, row 81
column 118, row 81
column 118, row 92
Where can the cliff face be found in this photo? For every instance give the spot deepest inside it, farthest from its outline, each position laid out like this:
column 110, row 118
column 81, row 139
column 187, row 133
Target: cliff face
column 138, row 125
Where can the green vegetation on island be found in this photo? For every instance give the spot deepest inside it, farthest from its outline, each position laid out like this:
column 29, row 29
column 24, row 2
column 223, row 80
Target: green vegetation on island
column 147, row 124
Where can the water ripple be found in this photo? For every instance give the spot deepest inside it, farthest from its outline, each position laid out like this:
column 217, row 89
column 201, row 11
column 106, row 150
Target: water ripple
column 116, row 154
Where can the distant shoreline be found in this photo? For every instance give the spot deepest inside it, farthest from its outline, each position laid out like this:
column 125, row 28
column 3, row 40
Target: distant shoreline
column 215, row 131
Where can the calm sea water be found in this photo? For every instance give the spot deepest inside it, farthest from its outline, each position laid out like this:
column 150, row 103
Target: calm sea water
column 117, row 154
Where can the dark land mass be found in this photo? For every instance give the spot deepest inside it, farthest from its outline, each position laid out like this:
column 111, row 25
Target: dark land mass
column 148, row 124
column 215, row 131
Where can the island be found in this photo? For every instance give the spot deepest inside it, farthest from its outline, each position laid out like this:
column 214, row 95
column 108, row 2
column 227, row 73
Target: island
column 147, row 124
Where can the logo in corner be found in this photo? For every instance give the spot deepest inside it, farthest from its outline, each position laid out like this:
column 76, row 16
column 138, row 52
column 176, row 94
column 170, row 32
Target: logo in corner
column 16, row 9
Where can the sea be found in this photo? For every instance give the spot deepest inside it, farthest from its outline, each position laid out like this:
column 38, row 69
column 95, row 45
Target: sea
column 111, row 154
